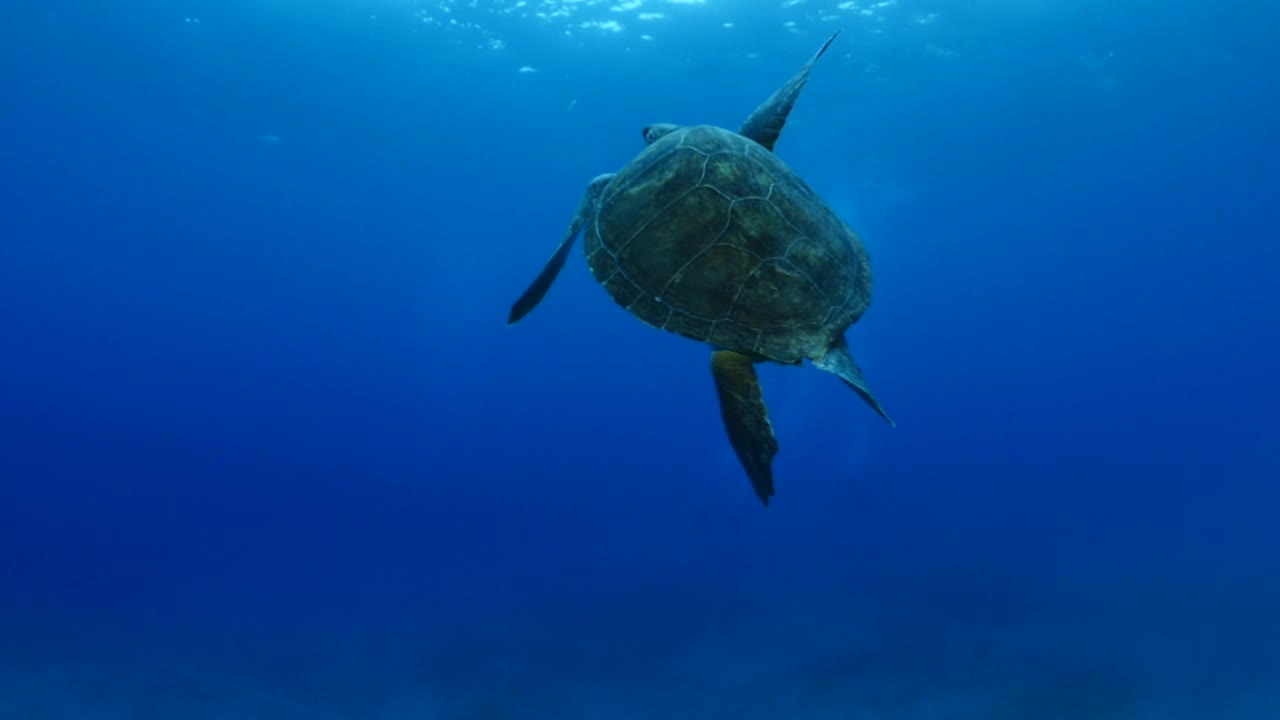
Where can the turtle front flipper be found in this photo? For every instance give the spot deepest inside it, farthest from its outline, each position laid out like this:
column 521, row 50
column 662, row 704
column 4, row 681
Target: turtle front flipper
column 586, row 210
column 839, row 362
column 765, row 124
column 746, row 418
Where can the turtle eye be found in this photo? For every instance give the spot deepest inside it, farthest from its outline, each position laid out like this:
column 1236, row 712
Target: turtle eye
column 645, row 132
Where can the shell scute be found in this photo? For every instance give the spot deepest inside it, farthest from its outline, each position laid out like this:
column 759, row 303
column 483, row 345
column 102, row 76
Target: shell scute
column 647, row 192
column 774, row 295
column 709, row 285
column 754, row 226
column 663, row 246
column 730, row 334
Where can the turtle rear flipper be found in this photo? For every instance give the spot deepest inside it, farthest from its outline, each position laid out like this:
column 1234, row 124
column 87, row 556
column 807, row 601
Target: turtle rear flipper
column 586, row 209
column 839, row 362
column 765, row 124
column 746, row 418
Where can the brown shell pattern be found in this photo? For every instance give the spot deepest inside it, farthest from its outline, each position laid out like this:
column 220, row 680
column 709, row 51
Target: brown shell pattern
column 707, row 234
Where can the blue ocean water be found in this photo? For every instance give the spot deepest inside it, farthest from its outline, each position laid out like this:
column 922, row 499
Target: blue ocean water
column 269, row 449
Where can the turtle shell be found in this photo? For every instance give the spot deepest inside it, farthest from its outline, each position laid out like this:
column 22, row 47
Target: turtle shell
column 709, row 235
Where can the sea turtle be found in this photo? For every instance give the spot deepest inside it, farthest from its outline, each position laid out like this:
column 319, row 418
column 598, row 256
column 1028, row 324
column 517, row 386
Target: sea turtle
column 706, row 233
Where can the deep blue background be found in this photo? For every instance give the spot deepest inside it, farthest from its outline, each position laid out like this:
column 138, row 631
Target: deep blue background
column 268, row 446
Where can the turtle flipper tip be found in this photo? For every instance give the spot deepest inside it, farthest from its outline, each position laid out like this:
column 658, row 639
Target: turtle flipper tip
column 515, row 314
column 746, row 419
column 830, row 40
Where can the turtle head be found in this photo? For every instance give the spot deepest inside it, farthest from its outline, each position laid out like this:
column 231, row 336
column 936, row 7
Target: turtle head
column 655, row 132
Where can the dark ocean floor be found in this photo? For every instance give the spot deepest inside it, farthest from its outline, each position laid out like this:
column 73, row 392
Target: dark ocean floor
column 823, row 661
